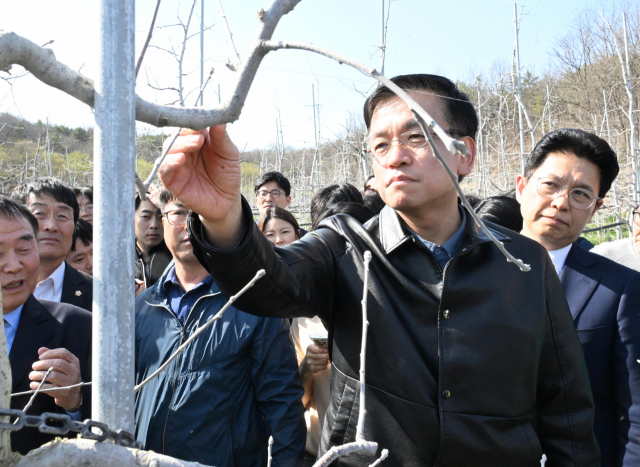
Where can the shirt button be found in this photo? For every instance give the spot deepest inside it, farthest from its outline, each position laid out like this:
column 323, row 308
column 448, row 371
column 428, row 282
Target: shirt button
column 437, row 251
column 446, row 314
column 446, row 394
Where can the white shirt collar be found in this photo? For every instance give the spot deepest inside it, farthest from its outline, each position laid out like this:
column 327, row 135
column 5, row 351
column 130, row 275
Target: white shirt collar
column 51, row 287
column 558, row 257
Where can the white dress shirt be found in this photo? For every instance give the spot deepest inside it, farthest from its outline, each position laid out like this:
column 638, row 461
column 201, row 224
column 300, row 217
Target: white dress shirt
column 558, row 257
column 51, row 288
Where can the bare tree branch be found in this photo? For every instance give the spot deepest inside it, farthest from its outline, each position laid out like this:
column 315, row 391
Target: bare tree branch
column 42, row 63
column 235, row 64
column 148, row 39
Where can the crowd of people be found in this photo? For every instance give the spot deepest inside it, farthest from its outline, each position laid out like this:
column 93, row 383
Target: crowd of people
column 470, row 361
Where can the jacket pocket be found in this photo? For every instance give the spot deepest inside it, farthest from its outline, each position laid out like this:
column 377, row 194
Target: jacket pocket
column 486, row 441
column 593, row 334
column 342, row 416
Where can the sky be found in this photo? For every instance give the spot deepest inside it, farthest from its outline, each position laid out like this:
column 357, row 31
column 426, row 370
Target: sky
column 454, row 38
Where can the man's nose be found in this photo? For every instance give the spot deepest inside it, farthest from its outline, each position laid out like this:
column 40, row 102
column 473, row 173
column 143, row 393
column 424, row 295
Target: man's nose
column 48, row 223
column 561, row 201
column 398, row 155
column 10, row 263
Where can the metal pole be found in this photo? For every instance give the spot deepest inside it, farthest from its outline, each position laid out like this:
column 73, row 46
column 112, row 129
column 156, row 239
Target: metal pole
column 632, row 117
column 201, row 49
column 517, row 27
column 114, row 149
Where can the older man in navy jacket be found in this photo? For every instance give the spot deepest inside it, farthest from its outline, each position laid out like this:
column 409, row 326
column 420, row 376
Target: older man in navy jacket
column 565, row 180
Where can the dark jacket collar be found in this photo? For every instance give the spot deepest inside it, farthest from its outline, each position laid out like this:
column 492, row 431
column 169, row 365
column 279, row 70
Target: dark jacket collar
column 158, row 296
column 394, row 231
column 32, row 333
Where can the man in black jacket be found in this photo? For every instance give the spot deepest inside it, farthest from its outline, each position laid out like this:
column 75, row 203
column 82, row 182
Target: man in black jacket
column 56, row 208
column 40, row 334
column 470, row 362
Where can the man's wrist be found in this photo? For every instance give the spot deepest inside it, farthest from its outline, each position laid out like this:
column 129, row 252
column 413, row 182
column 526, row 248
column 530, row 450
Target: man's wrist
column 76, row 408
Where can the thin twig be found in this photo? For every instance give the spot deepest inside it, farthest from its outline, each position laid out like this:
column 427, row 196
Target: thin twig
column 149, row 34
column 363, row 346
column 63, row 388
column 383, row 455
column 35, row 393
column 143, row 187
column 231, row 65
column 269, row 447
column 200, row 330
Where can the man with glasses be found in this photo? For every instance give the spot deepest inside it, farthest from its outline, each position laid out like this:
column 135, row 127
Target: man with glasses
column 232, row 388
column 626, row 251
column 272, row 189
column 564, row 183
column 470, row 362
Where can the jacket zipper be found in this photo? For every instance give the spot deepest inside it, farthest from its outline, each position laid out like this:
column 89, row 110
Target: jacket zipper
column 179, row 359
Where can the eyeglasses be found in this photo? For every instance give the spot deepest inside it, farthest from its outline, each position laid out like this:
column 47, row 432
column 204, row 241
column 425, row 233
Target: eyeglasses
column 579, row 198
column 275, row 194
column 380, row 147
column 177, row 217
column 636, row 218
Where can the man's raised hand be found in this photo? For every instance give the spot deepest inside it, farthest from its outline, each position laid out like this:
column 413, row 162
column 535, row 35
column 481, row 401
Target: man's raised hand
column 202, row 170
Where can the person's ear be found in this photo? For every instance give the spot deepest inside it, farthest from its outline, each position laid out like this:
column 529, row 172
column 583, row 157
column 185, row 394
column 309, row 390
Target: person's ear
column 466, row 163
column 598, row 205
column 298, row 234
column 521, row 183
column 288, row 200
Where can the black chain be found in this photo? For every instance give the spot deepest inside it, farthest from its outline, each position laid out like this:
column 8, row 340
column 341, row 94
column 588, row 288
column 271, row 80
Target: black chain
column 41, row 422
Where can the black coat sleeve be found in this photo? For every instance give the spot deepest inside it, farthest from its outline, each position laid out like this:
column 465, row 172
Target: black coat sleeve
column 299, row 278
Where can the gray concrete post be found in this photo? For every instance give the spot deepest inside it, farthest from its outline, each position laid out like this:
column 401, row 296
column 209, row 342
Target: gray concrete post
column 114, row 156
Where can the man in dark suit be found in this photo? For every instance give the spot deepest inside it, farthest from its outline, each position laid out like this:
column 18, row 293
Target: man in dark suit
column 566, row 178
column 40, row 334
column 55, row 206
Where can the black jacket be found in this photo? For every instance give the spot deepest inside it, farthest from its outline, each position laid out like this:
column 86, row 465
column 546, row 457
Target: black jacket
column 479, row 365
column 53, row 325
column 77, row 288
column 152, row 270
column 604, row 299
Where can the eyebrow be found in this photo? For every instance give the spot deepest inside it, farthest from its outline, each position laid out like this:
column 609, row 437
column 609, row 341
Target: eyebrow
column 408, row 125
column 147, row 211
column 27, row 237
column 59, row 206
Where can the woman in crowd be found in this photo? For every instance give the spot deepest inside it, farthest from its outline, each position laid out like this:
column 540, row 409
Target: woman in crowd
column 281, row 228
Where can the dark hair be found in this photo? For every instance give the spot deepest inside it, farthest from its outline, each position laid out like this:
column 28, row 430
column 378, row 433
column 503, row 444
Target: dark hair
column 458, row 111
column 86, row 191
column 277, row 177
column 13, row 209
column 501, row 210
column 584, row 145
column 329, row 195
column 84, row 232
column 473, row 200
column 48, row 186
column 279, row 213
column 358, row 211
column 374, row 203
column 165, row 197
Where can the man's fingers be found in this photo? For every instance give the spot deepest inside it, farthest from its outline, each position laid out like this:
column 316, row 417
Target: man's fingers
column 62, row 354
column 187, row 143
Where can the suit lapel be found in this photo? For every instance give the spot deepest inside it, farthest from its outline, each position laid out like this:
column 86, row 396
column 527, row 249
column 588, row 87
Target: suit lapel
column 33, row 332
column 579, row 279
column 70, row 285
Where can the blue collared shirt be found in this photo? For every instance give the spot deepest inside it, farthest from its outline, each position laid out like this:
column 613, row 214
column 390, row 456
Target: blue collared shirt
column 12, row 320
column 181, row 301
column 448, row 249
